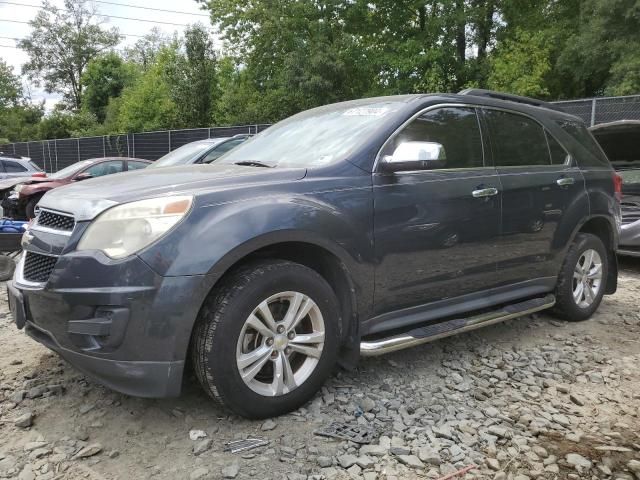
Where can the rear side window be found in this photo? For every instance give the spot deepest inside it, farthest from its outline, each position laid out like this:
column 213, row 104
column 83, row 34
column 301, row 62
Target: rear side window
column 592, row 154
column 13, row 167
column 455, row 128
column 516, row 140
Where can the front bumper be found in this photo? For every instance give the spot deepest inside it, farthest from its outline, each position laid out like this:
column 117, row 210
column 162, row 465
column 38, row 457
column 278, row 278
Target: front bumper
column 117, row 321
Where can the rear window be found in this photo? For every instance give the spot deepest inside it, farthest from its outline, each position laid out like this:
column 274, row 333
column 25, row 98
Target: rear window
column 592, row 154
column 516, row 140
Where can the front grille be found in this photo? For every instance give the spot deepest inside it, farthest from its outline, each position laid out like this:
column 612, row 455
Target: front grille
column 38, row 268
column 57, row 221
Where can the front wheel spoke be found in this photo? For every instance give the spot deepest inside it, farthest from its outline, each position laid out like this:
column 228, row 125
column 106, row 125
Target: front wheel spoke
column 595, row 272
column 309, row 351
column 255, row 366
column 255, row 323
column 588, row 260
column 289, row 379
column 292, row 311
column 578, row 271
column 267, row 316
column 577, row 293
column 278, row 376
column 315, row 337
column 588, row 293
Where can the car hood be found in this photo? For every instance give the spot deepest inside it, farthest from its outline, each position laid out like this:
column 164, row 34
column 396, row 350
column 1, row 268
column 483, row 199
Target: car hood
column 86, row 199
column 12, row 182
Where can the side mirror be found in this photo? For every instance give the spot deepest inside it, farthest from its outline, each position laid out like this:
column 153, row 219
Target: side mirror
column 82, row 176
column 415, row 156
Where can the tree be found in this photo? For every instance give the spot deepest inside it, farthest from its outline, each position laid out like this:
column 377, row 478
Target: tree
column 10, row 87
column 61, row 44
column 145, row 51
column 148, row 104
column 191, row 75
column 103, row 79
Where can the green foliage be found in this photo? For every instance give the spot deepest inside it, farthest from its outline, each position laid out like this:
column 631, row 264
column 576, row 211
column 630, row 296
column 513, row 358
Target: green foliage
column 148, row 105
column 62, row 124
column 61, row 44
column 105, row 78
column 10, row 87
column 520, row 65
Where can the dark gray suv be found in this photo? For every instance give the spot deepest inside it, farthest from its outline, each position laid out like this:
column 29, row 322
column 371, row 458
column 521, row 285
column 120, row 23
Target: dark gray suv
column 352, row 229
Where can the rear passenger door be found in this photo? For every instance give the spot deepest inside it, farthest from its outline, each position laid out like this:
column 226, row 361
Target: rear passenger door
column 539, row 185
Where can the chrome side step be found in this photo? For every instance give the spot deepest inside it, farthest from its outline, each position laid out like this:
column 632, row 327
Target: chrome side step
column 437, row 331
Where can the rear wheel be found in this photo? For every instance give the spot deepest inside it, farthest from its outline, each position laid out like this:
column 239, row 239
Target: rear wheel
column 267, row 339
column 582, row 280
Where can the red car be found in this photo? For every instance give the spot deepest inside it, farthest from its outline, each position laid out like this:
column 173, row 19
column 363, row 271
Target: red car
column 21, row 202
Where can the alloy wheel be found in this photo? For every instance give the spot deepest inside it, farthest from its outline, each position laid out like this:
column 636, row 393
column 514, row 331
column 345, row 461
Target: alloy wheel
column 587, row 278
column 280, row 343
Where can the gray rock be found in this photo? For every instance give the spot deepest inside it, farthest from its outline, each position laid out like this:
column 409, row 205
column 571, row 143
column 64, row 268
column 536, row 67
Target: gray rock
column 268, row 425
column 365, row 461
column 578, row 461
column 576, row 399
column 27, row 473
column 634, row 466
column 36, row 392
column 89, row 451
column 429, row 455
column 493, row 464
column 17, row 396
column 202, row 446
column 347, row 460
column 25, row 420
column 199, row 473
column 411, row 461
column 231, row 471
column 375, row 450
column 324, row 462
column 400, row 450
column 366, row 404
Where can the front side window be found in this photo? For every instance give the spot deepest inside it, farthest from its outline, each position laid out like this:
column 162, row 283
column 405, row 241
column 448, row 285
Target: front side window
column 454, row 129
column 516, row 140
column 104, row 168
column 13, row 167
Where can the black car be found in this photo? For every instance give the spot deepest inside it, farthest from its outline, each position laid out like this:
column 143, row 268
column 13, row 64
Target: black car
column 352, row 229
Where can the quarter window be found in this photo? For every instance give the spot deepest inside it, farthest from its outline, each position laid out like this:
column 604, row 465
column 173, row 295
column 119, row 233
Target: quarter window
column 516, row 140
column 455, row 128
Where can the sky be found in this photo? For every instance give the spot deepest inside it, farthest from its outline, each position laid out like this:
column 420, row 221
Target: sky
column 17, row 10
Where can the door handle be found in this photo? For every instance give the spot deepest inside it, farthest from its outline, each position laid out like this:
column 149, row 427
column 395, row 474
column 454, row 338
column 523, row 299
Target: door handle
column 484, row 192
column 564, row 181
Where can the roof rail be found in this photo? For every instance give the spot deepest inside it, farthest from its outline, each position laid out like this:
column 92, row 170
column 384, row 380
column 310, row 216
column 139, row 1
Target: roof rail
column 480, row 92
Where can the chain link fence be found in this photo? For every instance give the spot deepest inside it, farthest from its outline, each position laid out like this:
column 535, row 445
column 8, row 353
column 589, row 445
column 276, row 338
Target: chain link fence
column 603, row 109
column 54, row 155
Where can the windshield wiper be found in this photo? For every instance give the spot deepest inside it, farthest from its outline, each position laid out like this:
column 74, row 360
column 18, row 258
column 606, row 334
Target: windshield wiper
column 253, row 163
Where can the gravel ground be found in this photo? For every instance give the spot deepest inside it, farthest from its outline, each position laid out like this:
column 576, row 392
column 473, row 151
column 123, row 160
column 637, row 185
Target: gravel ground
column 531, row 398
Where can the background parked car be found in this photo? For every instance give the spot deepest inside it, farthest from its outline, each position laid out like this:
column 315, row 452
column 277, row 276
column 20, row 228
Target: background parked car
column 21, row 202
column 621, row 142
column 13, row 167
column 201, row 151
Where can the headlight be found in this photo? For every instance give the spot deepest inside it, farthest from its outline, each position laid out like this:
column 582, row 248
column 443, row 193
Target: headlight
column 128, row 228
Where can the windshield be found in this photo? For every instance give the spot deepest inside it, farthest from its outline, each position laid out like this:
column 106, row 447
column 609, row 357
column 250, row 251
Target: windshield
column 71, row 169
column 181, row 155
column 316, row 137
column 35, row 167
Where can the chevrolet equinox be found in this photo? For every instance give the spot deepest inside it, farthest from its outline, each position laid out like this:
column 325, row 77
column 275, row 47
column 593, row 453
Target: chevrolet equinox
column 352, row 229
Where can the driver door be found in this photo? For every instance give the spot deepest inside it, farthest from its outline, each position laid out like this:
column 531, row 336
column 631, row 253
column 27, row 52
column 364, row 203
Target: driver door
column 436, row 229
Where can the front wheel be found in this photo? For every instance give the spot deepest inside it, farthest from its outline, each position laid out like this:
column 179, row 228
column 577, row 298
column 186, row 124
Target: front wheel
column 266, row 340
column 582, row 279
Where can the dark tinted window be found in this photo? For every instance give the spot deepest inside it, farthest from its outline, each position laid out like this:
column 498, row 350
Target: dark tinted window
column 13, row 167
column 516, row 140
column 559, row 155
column 592, row 154
column 456, row 129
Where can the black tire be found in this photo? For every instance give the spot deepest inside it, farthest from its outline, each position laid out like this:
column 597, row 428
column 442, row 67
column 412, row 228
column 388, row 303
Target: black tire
column 30, row 209
column 566, row 306
column 7, row 267
column 219, row 325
